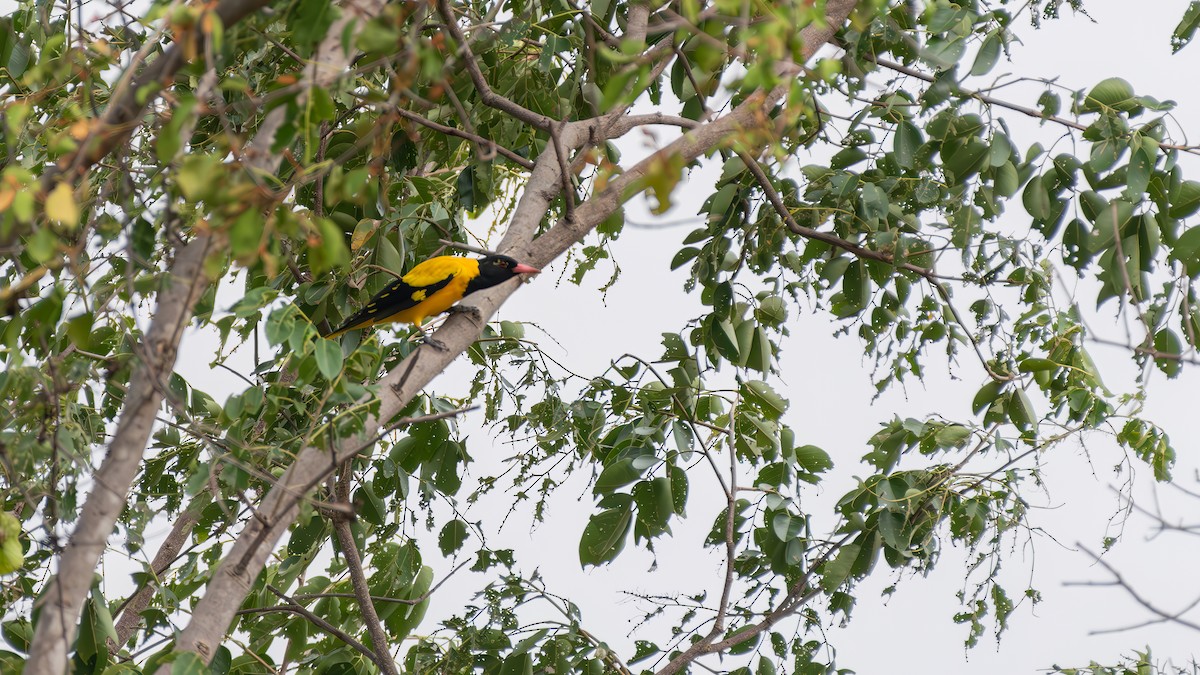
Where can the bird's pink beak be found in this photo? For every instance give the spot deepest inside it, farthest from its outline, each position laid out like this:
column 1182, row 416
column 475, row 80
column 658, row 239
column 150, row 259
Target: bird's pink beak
column 526, row 269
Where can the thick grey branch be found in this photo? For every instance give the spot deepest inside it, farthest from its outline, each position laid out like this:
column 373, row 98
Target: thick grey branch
column 129, row 618
column 64, row 596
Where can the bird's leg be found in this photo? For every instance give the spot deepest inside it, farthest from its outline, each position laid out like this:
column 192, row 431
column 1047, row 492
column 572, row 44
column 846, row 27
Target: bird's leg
column 470, row 310
column 428, row 339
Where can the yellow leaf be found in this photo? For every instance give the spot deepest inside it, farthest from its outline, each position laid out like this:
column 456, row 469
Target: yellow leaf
column 363, row 231
column 7, row 195
column 80, row 129
column 61, row 206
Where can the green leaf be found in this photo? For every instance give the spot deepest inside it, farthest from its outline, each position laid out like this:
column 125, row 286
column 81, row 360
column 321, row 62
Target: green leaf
column 1168, row 347
column 517, row 664
column 1187, row 250
column 952, row 436
column 856, row 290
column 675, row 348
column 1020, row 410
column 654, row 505
column 966, row 160
column 61, row 206
column 18, row 633
column 679, row 489
column 452, row 537
column 305, row 536
column 618, row 474
column 200, row 177
column 1185, row 199
column 311, row 21
column 188, row 663
column 95, row 629
column 837, row 571
column 748, row 644
column 764, row 398
column 685, row 255
column 643, row 650
column 1111, row 94
column 1036, row 199
column 907, row 141
column 989, row 54
column 329, row 250
column 170, row 139
column 986, row 395
column 468, row 197
column 1033, row 365
column 42, row 245
column 722, row 299
column 1050, row 103
column 813, row 459
column 246, row 233
column 329, row 358
column 1137, row 177
column 79, row 330
column 605, row 535
column 1186, row 30
column 724, row 338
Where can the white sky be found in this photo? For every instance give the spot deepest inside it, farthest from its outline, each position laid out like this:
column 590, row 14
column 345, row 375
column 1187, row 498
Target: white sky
column 825, row 379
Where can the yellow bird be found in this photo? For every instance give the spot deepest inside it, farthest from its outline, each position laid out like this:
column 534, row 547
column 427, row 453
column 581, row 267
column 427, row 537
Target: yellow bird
column 431, row 288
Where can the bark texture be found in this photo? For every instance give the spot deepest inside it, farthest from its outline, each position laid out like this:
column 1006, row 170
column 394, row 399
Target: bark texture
column 63, row 600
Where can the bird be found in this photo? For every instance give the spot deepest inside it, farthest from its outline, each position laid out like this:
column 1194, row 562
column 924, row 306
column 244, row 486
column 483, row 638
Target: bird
column 432, row 287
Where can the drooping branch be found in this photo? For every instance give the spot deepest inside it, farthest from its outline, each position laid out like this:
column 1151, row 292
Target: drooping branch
column 65, row 594
column 1008, row 105
column 129, row 617
column 475, row 138
column 486, row 94
column 362, row 592
column 119, row 120
column 1163, row 616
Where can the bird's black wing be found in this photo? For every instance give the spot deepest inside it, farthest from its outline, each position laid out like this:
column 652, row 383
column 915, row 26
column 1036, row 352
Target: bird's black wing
column 393, row 299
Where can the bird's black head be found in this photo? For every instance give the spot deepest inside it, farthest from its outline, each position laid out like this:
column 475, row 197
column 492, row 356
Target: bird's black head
column 496, row 269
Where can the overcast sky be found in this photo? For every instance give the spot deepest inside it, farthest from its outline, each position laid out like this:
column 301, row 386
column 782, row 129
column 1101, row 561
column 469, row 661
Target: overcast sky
column 826, row 381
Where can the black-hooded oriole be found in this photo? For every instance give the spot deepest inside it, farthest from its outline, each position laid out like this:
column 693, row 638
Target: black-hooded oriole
column 431, row 288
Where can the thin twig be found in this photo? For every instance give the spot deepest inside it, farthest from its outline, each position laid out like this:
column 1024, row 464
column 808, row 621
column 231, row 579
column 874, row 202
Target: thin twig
column 362, row 592
column 378, row 598
column 1118, row 580
column 466, row 247
column 524, row 162
column 1001, row 103
column 295, row 608
column 489, row 97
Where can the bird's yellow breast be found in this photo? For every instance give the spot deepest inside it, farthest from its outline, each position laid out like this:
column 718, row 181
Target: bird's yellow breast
column 432, row 305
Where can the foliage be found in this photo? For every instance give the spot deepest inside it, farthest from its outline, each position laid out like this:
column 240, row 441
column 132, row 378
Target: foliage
column 907, row 211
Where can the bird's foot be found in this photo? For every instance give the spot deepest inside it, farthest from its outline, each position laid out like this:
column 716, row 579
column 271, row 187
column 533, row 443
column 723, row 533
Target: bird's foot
column 428, row 339
column 470, row 310
column 435, row 343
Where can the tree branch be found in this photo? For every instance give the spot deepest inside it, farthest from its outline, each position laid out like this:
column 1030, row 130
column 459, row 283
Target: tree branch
column 129, row 617
column 295, row 608
column 120, row 118
column 452, row 131
column 64, row 596
column 1118, row 580
column 341, row 527
column 1001, row 103
column 489, row 97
